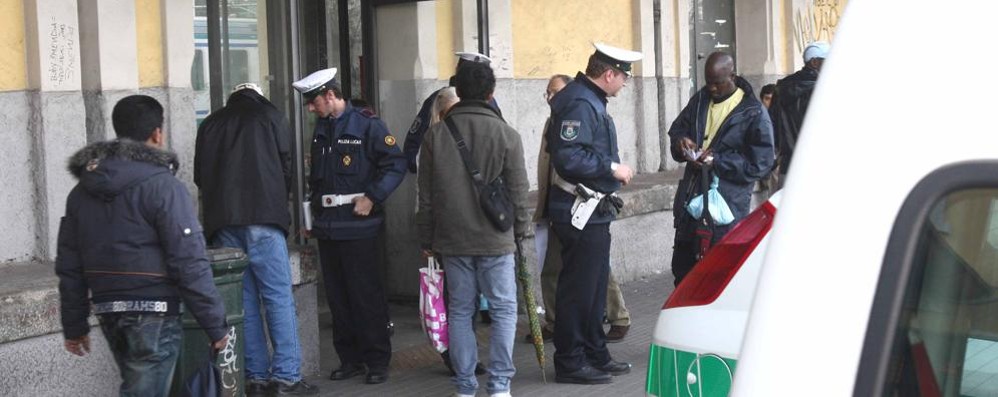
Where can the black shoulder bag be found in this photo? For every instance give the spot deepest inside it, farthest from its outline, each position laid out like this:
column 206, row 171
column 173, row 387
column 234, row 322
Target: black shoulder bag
column 492, row 196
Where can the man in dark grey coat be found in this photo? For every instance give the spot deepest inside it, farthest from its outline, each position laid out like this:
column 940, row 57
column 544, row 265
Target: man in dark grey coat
column 242, row 166
column 725, row 129
column 130, row 237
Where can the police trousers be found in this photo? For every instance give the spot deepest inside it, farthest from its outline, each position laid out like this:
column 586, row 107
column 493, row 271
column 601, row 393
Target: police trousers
column 580, row 298
column 357, row 302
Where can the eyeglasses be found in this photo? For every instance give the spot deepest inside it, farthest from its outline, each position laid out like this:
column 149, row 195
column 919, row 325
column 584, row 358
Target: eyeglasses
column 548, row 95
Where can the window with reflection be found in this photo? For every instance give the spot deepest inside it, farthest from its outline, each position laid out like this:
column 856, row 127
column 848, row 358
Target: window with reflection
column 947, row 340
column 243, row 47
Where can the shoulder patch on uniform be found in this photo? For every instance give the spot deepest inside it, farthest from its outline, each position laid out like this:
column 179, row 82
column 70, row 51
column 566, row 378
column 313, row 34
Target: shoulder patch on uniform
column 570, row 129
column 389, row 140
column 415, row 125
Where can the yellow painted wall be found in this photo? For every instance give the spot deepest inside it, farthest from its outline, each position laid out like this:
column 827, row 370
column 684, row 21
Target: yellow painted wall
column 816, row 20
column 446, row 61
column 149, row 31
column 13, row 64
column 551, row 37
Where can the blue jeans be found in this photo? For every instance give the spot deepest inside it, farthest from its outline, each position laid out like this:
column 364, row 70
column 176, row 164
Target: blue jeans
column 267, row 279
column 492, row 276
column 145, row 347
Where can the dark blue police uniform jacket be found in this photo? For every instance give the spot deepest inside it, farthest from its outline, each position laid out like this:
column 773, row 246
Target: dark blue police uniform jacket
column 353, row 153
column 582, row 141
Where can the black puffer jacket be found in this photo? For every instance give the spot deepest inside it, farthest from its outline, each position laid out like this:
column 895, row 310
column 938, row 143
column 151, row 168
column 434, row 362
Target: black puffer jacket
column 743, row 154
column 790, row 102
column 130, row 233
column 242, row 164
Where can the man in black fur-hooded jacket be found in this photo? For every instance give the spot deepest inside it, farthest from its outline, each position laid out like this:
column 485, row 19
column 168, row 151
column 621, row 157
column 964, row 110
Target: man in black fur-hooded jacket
column 131, row 238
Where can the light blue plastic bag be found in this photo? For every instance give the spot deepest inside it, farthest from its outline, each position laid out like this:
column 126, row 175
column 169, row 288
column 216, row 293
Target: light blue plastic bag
column 717, row 207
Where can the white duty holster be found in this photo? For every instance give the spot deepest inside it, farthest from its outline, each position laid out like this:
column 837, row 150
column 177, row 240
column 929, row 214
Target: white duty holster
column 586, row 200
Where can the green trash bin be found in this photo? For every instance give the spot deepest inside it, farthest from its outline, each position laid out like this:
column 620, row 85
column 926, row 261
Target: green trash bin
column 227, row 266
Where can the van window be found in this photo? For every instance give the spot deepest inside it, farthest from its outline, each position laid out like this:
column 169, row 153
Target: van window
column 946, row 340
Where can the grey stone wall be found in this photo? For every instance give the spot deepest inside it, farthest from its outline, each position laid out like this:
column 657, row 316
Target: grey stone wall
column 17, row 178
column 39, row 366
column 57, row 131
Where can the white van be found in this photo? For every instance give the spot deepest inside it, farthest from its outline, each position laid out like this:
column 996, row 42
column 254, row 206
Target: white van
column 881, row 274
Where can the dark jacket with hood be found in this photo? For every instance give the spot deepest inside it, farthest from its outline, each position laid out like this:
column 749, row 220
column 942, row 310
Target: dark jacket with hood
column 743, row 154
column 242, row 164
column 790, row 101
column 130, row 233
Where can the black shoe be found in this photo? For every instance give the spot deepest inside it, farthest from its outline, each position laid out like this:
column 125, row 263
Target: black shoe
column 479, row 369
column 615, row 368
column 256, row 388
column 376, row 376
column 584, row 376
column 299, row 388
column 546, row 335
column 347, row 371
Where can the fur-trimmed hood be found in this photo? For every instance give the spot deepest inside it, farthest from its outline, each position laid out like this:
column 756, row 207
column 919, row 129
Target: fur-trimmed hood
column 108, row 168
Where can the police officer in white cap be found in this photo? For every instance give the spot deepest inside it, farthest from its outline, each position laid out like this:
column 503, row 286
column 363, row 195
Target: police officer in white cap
column 414, row 138
column 790, row 102
column 355, row 166
column 582, row 141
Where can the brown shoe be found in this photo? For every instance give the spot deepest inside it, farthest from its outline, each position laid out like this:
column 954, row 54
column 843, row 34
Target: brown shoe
column 545, row 334
column 617, row 333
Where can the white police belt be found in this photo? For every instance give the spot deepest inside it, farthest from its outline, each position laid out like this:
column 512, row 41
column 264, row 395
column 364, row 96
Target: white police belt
column 586, row 200
column 336, row 200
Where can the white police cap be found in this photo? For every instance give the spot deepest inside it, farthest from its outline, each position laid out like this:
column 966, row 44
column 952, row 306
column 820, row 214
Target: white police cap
column 474, row 57
column 313, row 84
column 617, row 57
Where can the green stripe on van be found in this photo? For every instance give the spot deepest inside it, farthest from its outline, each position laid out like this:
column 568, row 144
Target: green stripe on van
column 668, row 371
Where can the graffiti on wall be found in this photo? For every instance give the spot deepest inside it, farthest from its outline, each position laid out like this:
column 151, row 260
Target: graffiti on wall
column 61, row 52
column 817, row 21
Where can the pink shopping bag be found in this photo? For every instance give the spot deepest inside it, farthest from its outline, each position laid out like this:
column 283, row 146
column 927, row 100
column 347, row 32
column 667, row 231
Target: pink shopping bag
column 432, row 307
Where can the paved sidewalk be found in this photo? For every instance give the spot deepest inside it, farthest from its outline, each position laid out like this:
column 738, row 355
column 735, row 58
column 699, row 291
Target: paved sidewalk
column 418, row 371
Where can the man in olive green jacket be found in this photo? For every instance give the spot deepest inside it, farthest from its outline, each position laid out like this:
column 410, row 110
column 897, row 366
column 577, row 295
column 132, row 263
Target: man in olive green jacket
column 477, row 257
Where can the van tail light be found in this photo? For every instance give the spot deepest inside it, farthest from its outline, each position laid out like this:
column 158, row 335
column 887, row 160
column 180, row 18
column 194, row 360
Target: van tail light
column 709, row 277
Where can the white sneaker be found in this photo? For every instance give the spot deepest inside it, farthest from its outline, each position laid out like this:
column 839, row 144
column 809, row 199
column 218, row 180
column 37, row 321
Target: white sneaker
column 503, row 394
column 463, row 395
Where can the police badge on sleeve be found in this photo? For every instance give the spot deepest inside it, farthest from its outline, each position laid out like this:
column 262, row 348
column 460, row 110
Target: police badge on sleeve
column 570, row 130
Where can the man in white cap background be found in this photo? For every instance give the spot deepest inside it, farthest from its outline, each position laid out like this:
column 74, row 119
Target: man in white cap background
column 414, row 138
column 242, row 166
column 726, row 131
column 582, row 142
column 793, row 94
column 355, row 165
